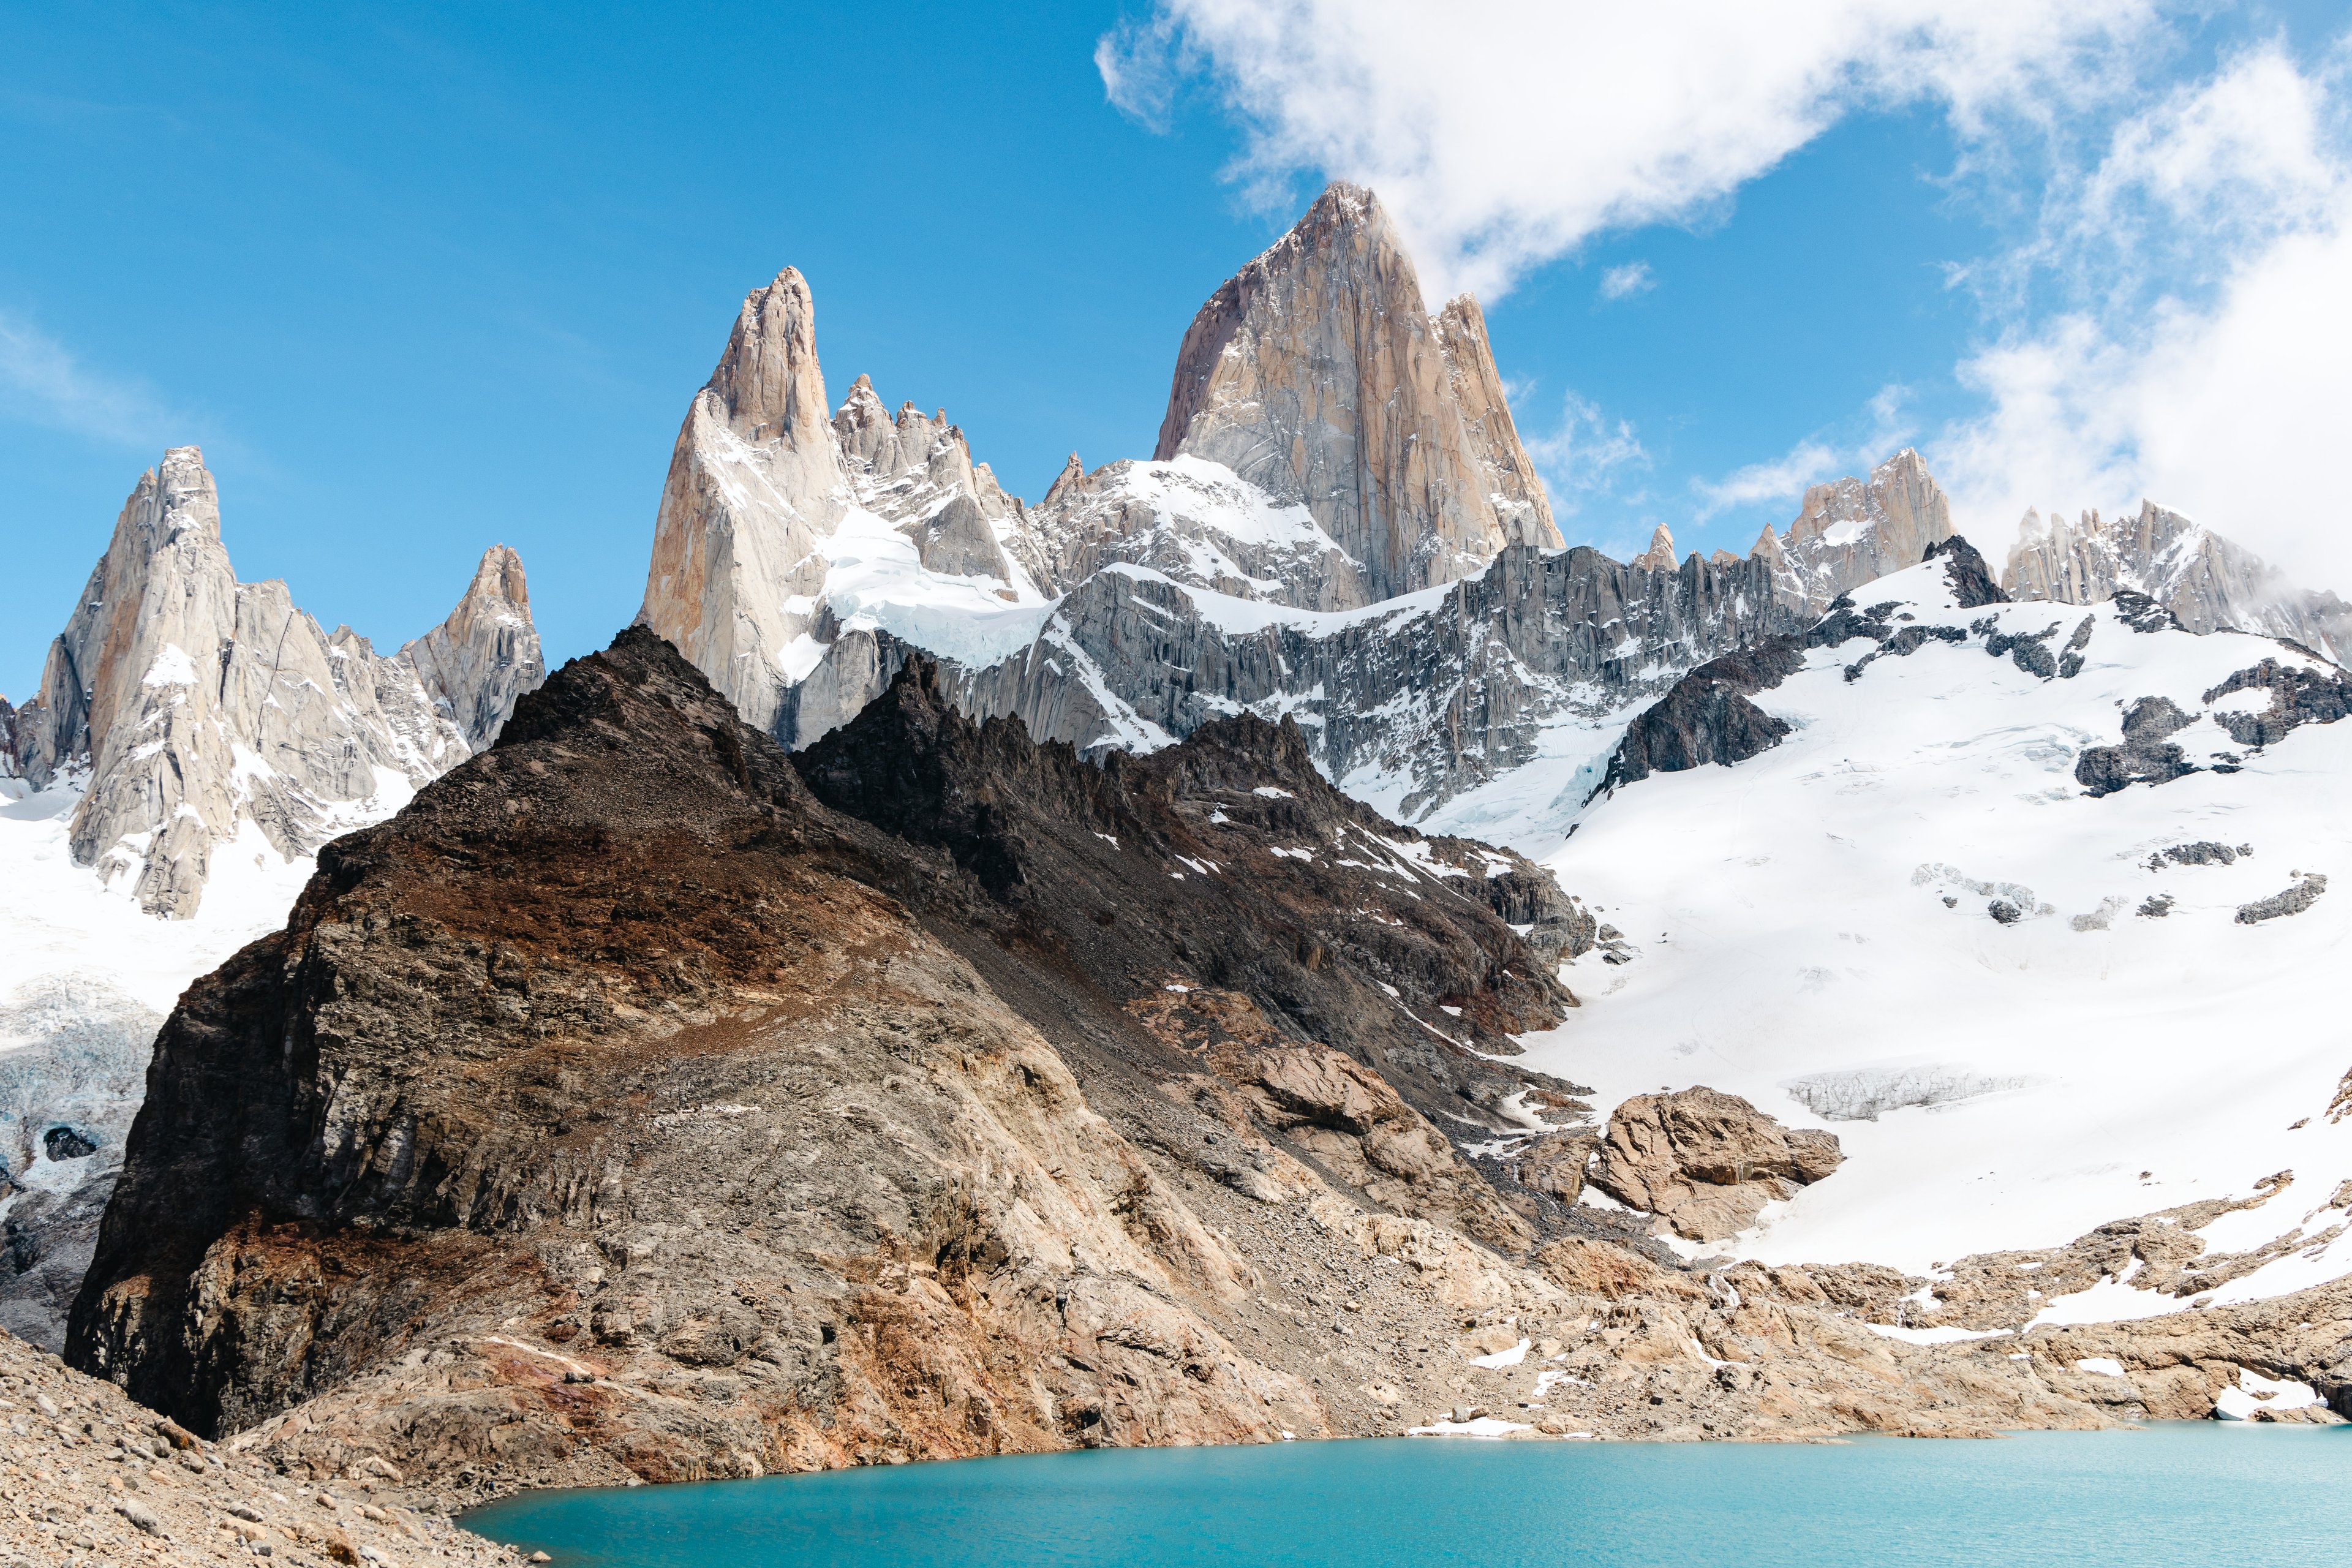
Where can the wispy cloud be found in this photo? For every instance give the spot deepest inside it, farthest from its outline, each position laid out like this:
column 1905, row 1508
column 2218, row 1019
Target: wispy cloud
column 43, row 382
column 1817, row 457
column 1585, row 454
column 2197, row 354
column 1624, row 282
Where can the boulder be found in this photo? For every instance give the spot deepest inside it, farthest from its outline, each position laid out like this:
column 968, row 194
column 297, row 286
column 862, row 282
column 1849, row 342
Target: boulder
column 1707, row 1163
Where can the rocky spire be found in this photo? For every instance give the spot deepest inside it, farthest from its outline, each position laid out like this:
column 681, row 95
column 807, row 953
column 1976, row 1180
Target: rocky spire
column 1660, row 556
column 761, row 478
column 755, row 484
column 474, row 664
column 1853, row 530
column 1317, row 373
column 1072, row 473
column 191, row 707
column 918, row 472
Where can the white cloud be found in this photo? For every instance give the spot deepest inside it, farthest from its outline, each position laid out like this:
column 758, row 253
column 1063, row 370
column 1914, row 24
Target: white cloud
column 1585, row 454
column 2224, row 396
column 2166, row 309
column 1624, row 282
column 41, row 382
column 1500, row 133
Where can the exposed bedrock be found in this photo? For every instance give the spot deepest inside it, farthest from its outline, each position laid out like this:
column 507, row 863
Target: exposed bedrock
column 1707, row 1163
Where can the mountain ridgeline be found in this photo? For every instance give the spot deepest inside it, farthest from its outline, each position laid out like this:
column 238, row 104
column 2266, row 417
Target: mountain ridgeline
column 191, row 708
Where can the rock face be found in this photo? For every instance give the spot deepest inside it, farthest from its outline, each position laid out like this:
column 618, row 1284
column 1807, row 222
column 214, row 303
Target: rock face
column 918, row 472
column 69, row 1085
column 1230, row 857
column 625, row 1110
column 2208, row 583
column 1706, row 1163
column 1411, row 703
column 189, row 705
column 1853, row 530
column 751, row 1093
column 1316, row 375
column 476, row 664
column 755, row 481
column 1706, row 716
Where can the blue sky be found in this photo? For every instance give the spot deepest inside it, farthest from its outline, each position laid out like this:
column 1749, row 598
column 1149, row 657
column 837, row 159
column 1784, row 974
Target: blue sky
column 423, row 280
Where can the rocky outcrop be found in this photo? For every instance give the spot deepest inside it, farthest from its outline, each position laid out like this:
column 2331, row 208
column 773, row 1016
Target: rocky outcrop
column 621, row 1031
column 917, row 471
column 2207, row 583
column 1854, row 530
column 476, row 664
column 1970, row 579
column 2148, row 754
column 1316, row 375
column 1706, row 716
column 2297, row 697
column 1707, row 1163
column 1660, row 556
column 70, row 1081
column 2294, row 900
column 189, row 705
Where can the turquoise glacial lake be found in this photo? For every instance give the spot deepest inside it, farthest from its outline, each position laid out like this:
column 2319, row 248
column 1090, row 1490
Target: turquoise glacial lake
column 2177, row 1492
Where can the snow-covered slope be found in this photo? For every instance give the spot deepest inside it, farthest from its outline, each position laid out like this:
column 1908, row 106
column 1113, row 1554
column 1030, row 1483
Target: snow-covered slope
column 2025, row 1009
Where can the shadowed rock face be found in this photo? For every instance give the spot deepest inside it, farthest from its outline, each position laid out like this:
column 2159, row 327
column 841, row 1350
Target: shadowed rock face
column 197, row 703
column 1706, row 716
column 1226, row 863
column 1317, row 373
column 1971, row 579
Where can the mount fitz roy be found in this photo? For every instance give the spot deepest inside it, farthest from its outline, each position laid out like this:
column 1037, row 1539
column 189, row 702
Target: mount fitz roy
column 1395, row 583
column 960, row 977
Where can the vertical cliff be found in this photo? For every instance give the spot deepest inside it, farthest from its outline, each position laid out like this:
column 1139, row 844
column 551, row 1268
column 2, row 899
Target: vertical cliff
column 1317, row 374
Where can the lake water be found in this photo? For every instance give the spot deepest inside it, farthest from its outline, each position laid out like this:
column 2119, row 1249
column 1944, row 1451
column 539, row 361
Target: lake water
column 2178, row 1492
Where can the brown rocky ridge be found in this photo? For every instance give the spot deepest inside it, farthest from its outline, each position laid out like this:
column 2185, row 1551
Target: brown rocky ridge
column 623, row 1110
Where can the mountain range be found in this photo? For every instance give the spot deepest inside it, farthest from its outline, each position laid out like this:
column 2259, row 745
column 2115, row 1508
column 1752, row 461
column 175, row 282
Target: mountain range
column 1267, row 939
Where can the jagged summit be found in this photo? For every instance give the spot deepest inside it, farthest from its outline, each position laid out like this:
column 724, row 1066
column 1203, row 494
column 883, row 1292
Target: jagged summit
column 786, row 545
column 1851, row 530
column 192, row 708
column 1660, row 556
column 486, row 655
column 2207, row 582
column 1317, row 374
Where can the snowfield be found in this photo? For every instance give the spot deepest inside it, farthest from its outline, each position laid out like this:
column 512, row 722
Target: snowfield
column 1816, row 932
column 60, row 919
